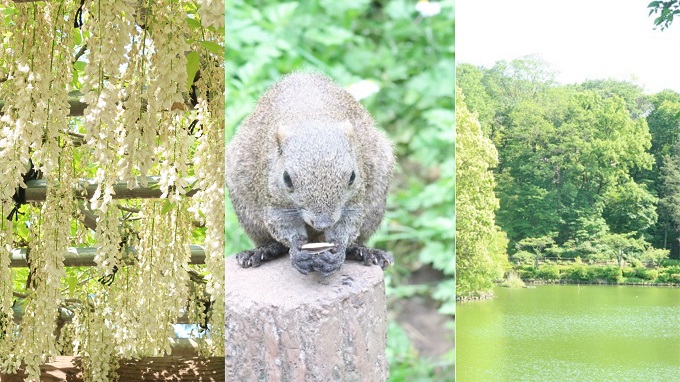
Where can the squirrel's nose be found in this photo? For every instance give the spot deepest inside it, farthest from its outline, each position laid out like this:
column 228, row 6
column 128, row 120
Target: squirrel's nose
column 322, row 223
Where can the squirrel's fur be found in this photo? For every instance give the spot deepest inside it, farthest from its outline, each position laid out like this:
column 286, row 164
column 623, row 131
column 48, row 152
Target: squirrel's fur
column 309, row 133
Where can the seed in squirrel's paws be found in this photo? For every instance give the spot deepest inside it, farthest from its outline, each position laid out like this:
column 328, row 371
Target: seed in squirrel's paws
column 317, row 247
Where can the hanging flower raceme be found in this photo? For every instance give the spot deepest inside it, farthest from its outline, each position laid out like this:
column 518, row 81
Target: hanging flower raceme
column 31, row 124
column 209, row 167
column 143, row 117
column 211, row 13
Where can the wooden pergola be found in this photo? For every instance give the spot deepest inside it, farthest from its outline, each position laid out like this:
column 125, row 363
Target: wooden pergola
column 184, row 364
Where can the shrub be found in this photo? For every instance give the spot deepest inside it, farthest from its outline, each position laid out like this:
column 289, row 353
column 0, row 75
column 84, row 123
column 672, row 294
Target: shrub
column 617, row 275
column 628, row 272
column 548, row 272
column 523, row 257
column 636, row 263
column 526, row 272
column 513, row 280
column 669, row 275
column 612, row 274
column 654, row 255
column 670, row 263
column 671, row 269
column 647, row 274
column 579, row 273
column 634, row 280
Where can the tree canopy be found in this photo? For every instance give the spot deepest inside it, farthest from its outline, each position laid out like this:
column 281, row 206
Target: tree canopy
column 581, row 164
column 480, row 245
column 666, row 11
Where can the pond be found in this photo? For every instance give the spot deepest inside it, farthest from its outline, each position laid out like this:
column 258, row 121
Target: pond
column 570, row 333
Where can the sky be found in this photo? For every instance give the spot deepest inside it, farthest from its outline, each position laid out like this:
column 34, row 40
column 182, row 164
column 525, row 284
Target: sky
column 580, row 40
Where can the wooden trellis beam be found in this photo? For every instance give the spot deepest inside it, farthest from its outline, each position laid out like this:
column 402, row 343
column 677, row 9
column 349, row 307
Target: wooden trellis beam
column 66, row 316
column 169, row 368
column 84, row 257
column 36, row 190
column 77, row 106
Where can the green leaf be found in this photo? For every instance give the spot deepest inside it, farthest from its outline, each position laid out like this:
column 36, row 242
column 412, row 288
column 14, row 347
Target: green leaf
column 281, row 13
column 658, row 20
column 193, row 23
column 213, row 47
column 72, row 281
column 74, row 78
column 167, row 206
column 193, row 63
column 79, row 65
column 78, row 36
column 190, row 7
column 330, row 35
column 9, row 11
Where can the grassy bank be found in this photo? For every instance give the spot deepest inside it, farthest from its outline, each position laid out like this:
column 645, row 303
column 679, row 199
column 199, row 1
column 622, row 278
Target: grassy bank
column 666, row 273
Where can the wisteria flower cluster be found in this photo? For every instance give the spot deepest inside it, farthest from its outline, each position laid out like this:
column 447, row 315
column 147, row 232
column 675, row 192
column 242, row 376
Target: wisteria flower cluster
column 153, row 120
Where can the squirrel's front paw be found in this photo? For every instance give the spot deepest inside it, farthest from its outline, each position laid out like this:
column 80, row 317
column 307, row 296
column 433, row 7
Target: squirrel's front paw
column 248, row 258
column 370, row 256
column 328, row 262
column 325, row 262
column 253, row 257
column 302, row 261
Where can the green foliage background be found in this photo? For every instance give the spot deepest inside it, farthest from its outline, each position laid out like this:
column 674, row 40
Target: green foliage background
column 411, row 58
column 480, row 244
column 586, row 172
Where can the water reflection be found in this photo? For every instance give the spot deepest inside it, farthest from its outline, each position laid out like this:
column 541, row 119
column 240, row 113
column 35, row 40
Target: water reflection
column 571, row 333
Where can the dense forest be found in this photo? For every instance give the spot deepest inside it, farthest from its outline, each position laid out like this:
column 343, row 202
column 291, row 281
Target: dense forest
column 585, row 172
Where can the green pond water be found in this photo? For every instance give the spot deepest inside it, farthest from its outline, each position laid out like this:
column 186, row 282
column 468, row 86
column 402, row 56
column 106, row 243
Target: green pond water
column 570, row 333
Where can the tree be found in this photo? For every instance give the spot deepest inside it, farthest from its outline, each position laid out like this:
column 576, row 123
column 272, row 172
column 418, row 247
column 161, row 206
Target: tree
column 664, row 126
column 469, row 79
column 538, row 245
column 669, row 205
column 480, row 245
column 504, row 85
column 561, row 157
column 630, row 207
column 632, row 94
column 666, row 11
column 621, row 246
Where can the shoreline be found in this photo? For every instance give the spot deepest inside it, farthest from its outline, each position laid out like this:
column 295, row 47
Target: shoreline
column 534, row 282
column 598, row 282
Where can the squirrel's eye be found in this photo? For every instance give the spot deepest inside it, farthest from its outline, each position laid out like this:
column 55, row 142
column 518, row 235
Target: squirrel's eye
column 287, row 180
column 352, row 177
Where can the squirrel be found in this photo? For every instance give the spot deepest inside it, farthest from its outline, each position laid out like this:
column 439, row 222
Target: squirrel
column 308, row 165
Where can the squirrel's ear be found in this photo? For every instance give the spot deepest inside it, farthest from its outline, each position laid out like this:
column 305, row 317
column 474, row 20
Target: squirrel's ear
column 347, row 128
column 282, row 132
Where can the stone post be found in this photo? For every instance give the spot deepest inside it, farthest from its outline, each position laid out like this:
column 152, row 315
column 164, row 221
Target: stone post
column 287, row 327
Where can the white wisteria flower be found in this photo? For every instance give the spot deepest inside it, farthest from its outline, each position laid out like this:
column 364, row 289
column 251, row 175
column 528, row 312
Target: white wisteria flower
column 363, row 89
column 132, row 78
column 428, row 8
